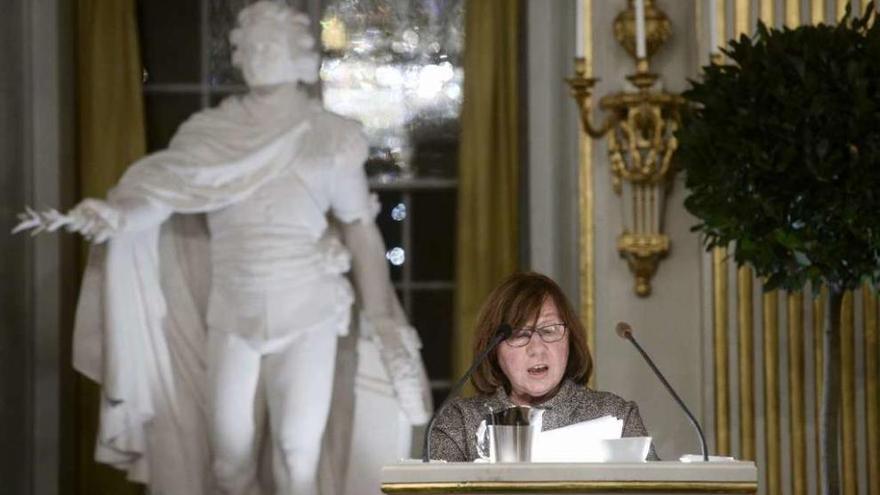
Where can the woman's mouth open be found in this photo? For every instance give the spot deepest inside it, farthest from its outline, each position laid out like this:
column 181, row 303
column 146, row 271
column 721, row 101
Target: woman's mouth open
column 538, row 370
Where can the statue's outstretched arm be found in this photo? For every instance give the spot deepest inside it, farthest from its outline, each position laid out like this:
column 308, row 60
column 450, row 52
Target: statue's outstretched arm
column 97, row 220
column 398, row 342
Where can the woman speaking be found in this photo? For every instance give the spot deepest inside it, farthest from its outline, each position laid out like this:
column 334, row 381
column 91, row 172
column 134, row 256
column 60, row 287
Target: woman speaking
column 545, row 363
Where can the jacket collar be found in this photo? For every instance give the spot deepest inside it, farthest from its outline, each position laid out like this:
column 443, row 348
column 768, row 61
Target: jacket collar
column 501, row 400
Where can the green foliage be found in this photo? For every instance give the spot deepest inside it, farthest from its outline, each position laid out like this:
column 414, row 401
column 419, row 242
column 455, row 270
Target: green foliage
column 781, row 153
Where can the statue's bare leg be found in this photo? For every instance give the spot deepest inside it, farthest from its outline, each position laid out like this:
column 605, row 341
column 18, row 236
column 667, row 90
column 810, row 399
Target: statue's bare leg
column 299, row 385
column 236, row 415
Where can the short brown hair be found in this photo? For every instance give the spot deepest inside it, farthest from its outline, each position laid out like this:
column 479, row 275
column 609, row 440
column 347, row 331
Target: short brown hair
column 517, row 302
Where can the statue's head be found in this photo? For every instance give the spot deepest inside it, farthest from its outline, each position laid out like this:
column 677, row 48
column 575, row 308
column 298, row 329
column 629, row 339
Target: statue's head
column 272, row 44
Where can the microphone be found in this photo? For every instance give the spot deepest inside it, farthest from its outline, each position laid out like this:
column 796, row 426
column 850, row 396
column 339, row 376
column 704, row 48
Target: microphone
column 625, row 332
column 503, row 332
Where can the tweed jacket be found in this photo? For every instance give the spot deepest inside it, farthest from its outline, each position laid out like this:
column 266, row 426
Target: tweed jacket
column 455, row 430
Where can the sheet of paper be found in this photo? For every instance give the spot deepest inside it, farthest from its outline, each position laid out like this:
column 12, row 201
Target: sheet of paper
column 580, row 442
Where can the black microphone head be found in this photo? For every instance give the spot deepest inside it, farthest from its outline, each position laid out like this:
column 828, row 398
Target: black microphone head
column 623, row 330
column 504, row 330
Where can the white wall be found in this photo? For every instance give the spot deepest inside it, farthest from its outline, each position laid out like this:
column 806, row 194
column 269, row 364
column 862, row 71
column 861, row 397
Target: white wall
column 552, row 144
column 668, row 323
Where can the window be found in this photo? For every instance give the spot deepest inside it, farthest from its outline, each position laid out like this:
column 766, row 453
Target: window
column 394, row 65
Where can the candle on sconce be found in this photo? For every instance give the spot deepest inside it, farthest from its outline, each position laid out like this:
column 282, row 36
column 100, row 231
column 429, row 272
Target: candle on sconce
column 641, row 51
column 579, row 29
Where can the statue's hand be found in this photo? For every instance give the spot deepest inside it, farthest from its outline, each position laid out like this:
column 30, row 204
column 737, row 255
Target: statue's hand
column 399, row 350
column 48, row 220
column 95, row 219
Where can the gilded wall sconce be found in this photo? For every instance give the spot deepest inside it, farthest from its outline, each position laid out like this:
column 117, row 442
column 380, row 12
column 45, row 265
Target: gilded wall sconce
column 639, row 126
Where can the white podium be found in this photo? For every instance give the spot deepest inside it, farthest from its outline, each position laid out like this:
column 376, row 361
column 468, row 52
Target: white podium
column 545, row 478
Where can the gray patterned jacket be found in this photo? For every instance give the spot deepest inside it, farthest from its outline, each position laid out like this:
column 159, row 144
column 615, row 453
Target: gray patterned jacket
column 454, row 436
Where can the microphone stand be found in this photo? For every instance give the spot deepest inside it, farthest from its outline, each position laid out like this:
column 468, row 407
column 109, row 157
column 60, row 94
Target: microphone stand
column 625, row 332
column 503, row 332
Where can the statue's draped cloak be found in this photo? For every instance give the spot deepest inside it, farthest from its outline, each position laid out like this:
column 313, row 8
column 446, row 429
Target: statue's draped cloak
column 140, row 328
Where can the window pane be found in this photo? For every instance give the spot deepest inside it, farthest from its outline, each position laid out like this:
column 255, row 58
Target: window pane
column 433, row 228
column 432, row 316
column 396, row 67
column 164, row 113
column 170, row 40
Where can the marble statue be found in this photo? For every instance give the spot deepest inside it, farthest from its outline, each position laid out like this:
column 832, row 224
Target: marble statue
column 216, row 293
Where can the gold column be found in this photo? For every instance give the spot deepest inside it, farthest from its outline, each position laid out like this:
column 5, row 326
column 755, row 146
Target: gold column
column 841, row 9
column 766, row 13
column 720, row 25
column 819, row 301
column 797, row 420
column 849, row 458
column 817, row 11
column 741, row 21
column 722, row 406
column 872, row 400
column 585, row 200
column 745, row 313
column 771, row 392
column 792, row 13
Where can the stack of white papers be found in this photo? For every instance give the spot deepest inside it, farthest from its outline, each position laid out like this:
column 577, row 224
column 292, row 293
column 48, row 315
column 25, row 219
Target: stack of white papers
column 597, row 440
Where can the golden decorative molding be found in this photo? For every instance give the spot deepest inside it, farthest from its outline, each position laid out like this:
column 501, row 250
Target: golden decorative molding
column 500, row 487
column 722, row 386
column 820, row 298
column 817, row 11
column 640, row 129
column 772, row 467
column 841, row 9
column 720, row 25
column 792, row 13
column 742, row 17
column 745, row 314
column 797, row 418
column 766, row 13
column 872, row 397
column 657, row 29
column 585, row 203
column 849, row 458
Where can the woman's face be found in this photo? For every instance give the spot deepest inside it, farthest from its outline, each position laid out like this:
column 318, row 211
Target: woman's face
column 536, row 369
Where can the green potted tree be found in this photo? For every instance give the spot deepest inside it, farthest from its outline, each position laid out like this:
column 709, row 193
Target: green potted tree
column 780, row 150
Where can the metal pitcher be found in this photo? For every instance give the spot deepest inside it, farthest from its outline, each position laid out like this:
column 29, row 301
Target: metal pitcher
column 508, row 435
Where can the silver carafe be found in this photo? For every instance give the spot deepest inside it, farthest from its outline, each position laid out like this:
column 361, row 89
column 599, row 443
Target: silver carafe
column 509, row 434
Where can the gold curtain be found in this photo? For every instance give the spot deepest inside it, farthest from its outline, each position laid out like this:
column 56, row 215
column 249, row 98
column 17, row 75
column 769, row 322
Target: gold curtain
column 110, row 135
column 488, row 216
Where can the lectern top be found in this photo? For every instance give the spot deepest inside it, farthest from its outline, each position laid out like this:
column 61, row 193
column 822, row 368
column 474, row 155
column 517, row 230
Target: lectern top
column 649, row 477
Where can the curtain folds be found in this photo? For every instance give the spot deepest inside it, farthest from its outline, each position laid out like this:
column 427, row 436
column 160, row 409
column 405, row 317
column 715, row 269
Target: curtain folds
column 489, row 163
column 110, row 136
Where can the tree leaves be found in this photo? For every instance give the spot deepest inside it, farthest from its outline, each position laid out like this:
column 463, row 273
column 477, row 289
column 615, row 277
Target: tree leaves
column 781, row 153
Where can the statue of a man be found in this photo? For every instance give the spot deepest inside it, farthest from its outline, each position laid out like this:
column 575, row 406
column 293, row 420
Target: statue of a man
column 198, row 332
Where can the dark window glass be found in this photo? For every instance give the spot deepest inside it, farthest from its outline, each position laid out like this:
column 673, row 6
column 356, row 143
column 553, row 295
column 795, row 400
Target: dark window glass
column 433, row 227
column 170, row 39
column 164, row 113
column 432, row 316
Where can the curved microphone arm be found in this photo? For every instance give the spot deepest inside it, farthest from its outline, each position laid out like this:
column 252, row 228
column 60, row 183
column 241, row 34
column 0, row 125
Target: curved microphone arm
column 625, row 332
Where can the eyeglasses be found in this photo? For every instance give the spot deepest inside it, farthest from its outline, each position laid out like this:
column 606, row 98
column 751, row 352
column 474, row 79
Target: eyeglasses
column 553, row 332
